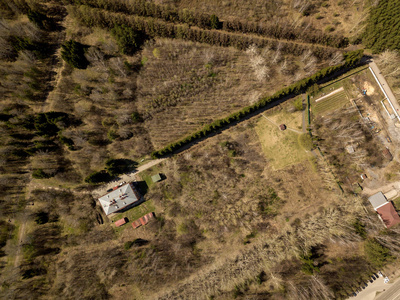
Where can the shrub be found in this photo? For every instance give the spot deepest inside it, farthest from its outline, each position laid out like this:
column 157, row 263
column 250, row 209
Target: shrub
column 329, row 28
column 74, row 54
column 46, row 124
column 128, row 245
column 39, row 19
column 308, row 266
column 116, row 167
column 137, row 243
column 5, row 229
column 42, row 218
column 20, row 43
column 298, row 104
column 214, row 22
column 98, row 177
column 377, row 254
column 33, row 272
column 66, row 141
column 360, row 228
column 40, row 174
column 136, row 118
column 112, row 134
column 128, row 40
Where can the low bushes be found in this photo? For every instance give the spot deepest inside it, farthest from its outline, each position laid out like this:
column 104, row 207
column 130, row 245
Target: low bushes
column 98, row 177
column 351, row 59
column 114, row 167
column 40, row 174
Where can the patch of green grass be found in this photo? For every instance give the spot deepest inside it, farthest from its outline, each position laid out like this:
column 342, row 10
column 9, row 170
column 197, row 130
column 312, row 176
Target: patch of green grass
column 146, row 175
column 132, row 215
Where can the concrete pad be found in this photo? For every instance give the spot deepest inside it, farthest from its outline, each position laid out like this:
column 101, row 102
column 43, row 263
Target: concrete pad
column 391, row 194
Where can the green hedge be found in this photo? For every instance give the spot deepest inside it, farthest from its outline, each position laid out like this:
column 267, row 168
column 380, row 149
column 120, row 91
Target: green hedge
column 351, row 59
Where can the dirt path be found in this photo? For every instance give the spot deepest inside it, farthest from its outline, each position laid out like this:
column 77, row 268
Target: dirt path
column 384, row 189
column 58, row 66
column 330, row 94
column 21, row 237
column 149, row 165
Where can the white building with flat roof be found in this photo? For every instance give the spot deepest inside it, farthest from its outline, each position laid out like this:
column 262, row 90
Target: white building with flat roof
column 121, row 197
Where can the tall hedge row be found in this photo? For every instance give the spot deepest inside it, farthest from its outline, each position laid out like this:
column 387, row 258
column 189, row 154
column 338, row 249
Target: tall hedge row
column 157, row 28
column 168, row 13
column 351, row 59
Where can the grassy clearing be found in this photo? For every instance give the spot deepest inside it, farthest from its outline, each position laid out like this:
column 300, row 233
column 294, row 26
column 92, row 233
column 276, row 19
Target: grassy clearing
column 291, row 120
column 331, row 103
column 280, row 147
column 132, row 215
column 146, row 175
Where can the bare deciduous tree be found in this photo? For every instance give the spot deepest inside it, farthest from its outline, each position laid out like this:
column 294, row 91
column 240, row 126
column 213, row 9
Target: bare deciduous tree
column 337, row 58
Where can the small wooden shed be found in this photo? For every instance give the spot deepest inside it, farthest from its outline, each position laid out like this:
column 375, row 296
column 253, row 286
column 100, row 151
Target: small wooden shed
column 156, row 178
column 121, row 222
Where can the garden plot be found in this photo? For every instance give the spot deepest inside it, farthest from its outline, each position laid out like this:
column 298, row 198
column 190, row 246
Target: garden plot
column 330, row 103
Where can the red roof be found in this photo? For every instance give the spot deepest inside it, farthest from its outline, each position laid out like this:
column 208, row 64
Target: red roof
column 120, row 222
column 388, row 214
column 136, row 224
column 143, row 220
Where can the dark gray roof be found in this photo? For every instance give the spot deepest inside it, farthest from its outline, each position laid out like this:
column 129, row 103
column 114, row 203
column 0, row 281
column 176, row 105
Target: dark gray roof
column 377, row 200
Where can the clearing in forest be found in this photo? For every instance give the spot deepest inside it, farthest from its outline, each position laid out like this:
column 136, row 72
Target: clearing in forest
column 281, row 148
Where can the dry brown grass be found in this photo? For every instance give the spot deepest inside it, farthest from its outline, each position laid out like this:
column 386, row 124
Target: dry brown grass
column 184, row 85
column 345, row 17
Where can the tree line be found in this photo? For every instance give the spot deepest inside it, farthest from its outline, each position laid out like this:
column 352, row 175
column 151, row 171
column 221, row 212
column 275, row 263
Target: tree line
column 383, row 27
column 351, row 59
column 151, row 27
column 211, row 21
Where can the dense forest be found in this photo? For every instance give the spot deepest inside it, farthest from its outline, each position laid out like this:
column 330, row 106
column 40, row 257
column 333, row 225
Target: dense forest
column 383, row 27
column 93, row 89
